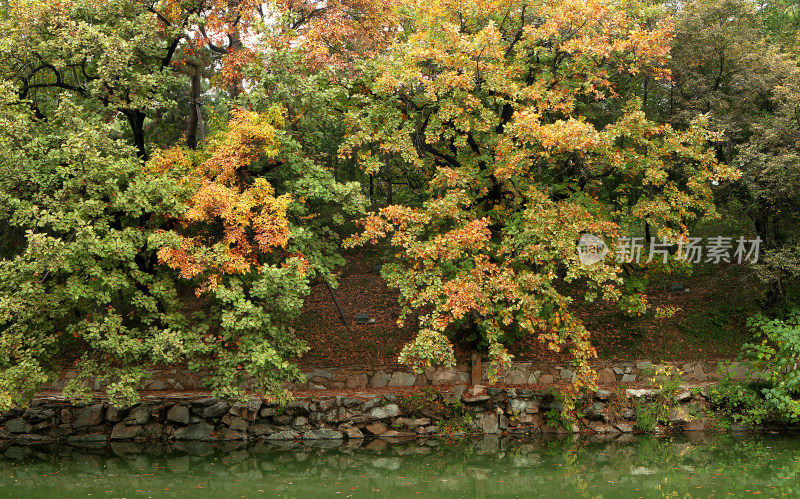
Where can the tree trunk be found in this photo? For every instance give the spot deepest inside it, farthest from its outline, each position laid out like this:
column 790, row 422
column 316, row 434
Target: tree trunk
column 644, row 95
column 389, row 196
column 371, row 189
column 761, row 221
column 136, row 121
column 194, row 113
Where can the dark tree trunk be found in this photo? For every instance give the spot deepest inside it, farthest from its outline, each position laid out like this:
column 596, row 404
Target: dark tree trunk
column 136, row 121
column 761, row 221
column 236, row 86
column 194, row 113
column 644, row 95
column 389, row 196
column 775, row 292
column 371, row 189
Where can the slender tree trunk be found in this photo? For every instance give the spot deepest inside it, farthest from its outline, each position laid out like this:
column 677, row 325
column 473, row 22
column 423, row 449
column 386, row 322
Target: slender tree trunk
column 647, row 234
column 389, row 194
column 728, row 150
column 194, row 113
column 644, row 96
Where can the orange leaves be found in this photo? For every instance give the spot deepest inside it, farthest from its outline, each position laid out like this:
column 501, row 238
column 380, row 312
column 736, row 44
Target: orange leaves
column 453, row 244
column 599, row 30
column 390, row 219
column 270, row 225
column 224, row 17
column 335, row 33
column 249, row 136
column 225, row 27
column 230, row 222
column 234, row 64
column 478, row 289
column 461, row 297
column 253, row 207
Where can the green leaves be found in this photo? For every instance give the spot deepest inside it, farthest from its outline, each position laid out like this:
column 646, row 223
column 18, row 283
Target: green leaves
column 747, row 86
column 775, row 356
column 429, row 348
column 82, row 284
column 101, row 49
column 83, row 219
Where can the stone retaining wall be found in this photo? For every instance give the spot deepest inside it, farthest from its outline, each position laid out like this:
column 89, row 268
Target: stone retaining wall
column 520, row 373
column 487, row 410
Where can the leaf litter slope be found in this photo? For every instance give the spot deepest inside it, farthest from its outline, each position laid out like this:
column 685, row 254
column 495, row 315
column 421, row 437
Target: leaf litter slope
column 709, row 323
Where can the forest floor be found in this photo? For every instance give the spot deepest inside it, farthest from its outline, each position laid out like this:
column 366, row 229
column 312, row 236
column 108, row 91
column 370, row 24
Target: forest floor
column 710, row 322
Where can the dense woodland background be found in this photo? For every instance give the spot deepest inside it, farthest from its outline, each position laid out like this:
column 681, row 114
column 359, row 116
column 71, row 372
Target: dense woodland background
column 177, row 176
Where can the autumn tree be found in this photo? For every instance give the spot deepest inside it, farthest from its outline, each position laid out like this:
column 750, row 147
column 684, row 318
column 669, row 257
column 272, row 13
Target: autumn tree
column 490, row 100
column 84, row 282
column 248, row 241
column 336, row 34
column 98, row 247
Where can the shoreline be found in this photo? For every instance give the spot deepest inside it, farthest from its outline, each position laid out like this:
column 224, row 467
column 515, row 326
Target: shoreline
column 414, row 412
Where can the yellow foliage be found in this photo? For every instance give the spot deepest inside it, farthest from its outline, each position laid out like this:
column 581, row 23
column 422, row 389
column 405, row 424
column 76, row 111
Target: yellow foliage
column 234, row 223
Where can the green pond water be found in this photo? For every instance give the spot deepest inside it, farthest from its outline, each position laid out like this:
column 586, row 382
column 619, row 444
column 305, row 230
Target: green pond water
column 697, row 466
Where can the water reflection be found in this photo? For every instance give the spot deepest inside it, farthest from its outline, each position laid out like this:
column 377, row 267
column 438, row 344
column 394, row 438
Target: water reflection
column 627, row 466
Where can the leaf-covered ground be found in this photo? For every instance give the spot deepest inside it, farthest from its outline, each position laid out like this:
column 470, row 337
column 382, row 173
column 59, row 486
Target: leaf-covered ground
column 360, row 290
column 710, row 322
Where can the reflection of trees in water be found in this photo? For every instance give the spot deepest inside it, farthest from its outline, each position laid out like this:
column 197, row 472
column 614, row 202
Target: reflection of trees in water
column 486, row 466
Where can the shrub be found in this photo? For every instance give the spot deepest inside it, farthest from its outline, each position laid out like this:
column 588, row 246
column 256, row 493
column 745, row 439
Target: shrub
column 738, row 402
column 667, row 379
column 649, row 414
column 776, row 355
